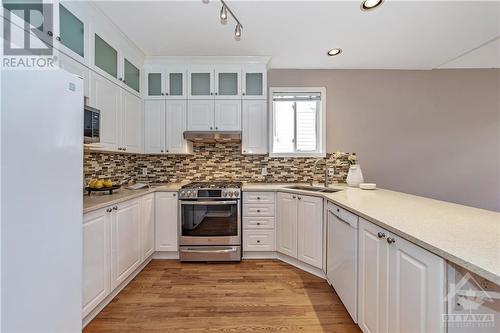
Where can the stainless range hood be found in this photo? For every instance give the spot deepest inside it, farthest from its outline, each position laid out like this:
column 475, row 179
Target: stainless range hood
column 213, row 136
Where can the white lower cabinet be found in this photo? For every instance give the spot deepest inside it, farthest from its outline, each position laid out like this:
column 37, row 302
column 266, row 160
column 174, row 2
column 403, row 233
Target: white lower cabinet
column 125, row 241
column 96, row 258
column 300, row 228
column 286, row 229
column 258, row 221
column 401, row 286
column 147, row 225
column 167, row 226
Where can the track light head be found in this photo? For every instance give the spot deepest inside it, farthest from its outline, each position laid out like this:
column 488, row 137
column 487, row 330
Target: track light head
column 237, row 32
column 223, row 14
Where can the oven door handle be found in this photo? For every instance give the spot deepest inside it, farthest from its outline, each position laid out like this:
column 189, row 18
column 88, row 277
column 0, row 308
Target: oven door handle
column 209, row 250
column 194, row 203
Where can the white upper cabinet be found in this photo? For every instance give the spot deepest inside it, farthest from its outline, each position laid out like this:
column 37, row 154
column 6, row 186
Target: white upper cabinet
column 310, row 230
column 254, row 127
column 201, row 82
column 175, row 125
column 131, row 123
column 227, row 115
column 70, row 65
column 228, row 82
column 166, row 82
column 254, row 81
column 71, row 30
column 106, row 97
column 154, row 127
column 200, row 115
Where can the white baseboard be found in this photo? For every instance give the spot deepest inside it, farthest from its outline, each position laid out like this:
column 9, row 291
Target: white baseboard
column 301, row 265
column 166, row 255
column 115, row 292
column 259, row 255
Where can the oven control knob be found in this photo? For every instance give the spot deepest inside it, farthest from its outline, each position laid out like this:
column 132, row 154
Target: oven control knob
column 236, row 193
column 230, row 194
column 183, row 193
column 189, row 193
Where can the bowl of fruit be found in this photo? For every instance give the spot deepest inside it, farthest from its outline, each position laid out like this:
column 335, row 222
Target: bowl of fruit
column 101, row 185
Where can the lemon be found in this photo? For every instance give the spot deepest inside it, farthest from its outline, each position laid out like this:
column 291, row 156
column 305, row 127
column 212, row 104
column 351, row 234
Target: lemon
column 98, row 184
column 107, row 183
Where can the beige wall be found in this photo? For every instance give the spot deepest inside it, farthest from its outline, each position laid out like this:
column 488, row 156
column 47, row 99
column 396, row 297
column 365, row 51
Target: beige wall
column 431, row 133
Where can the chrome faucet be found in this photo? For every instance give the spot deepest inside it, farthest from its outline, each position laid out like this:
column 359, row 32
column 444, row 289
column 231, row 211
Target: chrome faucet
column 315, row 165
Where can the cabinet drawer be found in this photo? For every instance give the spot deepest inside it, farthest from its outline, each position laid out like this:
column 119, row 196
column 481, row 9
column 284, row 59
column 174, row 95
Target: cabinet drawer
column 258, row 210
column 343, row 214
column 258, row 240
column 258, row 223
column 258, row 197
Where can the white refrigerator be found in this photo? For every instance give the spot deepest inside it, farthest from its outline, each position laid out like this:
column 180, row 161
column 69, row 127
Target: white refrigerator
column 41, row 201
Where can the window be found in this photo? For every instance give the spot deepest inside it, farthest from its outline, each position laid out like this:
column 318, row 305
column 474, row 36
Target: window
column 298, row 122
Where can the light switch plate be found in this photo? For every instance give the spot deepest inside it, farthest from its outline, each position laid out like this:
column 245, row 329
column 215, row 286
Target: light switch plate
column 264, row 172
column 331, row 171
column 144, row 171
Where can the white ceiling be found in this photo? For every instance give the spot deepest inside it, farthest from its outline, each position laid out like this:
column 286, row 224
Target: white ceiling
column 297, row 34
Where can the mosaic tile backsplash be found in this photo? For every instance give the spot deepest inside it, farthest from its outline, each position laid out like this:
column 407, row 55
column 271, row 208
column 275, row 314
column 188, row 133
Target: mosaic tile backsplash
column 210, row 161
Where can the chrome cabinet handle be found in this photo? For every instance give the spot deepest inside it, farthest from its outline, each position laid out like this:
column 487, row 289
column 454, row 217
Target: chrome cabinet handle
column 293, row 196
column 166, row 94
column 163, row 94
column 390, row 240
column 258, row 223
column 162, row 150
column 50, row 33
column 216, row 128
column 58, row 38
column 115, row 208
column 109, row 210
column 258, row 240
column 216, row 93
column 244, row 94
column 120, row 79
column 174, row 194
column 300, row 198
column 258, row 210
column 258, row 198
column 211, row 94
column 211, row 128
column 381, row 235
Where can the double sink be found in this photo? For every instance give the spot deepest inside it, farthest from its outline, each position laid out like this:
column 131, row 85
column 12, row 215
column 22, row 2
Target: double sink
column 313, row 188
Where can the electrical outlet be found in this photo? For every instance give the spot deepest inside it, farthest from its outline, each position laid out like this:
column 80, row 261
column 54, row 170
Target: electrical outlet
column 264, row 172
column 144, row 171
column 331, row 171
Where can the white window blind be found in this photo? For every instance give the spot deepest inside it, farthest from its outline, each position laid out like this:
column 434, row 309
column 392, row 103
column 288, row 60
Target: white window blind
column 296, row 118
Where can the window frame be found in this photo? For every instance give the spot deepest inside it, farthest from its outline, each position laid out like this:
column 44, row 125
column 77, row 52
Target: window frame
column 321, row 126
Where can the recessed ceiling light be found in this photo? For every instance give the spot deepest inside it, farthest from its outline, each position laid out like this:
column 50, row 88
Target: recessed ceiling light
column 371, row 4
column 334, row 52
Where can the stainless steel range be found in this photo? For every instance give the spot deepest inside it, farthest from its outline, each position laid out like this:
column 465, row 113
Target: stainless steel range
column 210, row 221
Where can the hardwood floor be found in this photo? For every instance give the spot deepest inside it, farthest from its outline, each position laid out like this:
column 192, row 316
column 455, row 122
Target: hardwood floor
column 251, row 296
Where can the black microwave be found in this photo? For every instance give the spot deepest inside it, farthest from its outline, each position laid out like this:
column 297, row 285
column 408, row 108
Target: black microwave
column 91, row 124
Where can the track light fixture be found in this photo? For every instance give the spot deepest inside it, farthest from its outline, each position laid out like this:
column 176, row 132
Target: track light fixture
column 223, row 18
column 223, row 14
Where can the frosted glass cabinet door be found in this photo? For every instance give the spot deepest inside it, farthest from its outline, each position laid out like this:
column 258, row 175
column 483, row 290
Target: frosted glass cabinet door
column 105, row 57
column 201, row 84
column 131, row 75
column 154, row 83
column 71, row 32
column 176, row 82
column 228, row 82
column 254, row 82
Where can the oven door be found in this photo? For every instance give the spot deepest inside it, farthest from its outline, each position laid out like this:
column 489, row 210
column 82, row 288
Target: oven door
column 210, row 222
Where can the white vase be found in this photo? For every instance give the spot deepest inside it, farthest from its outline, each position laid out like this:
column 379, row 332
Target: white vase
column 354, row 176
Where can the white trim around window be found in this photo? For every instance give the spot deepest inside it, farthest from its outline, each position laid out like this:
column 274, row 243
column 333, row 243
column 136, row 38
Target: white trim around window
column 320, row 150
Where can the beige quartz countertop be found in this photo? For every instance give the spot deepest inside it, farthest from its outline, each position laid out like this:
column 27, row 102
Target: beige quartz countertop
column 101, row 200
column 466, row 236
